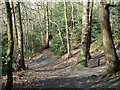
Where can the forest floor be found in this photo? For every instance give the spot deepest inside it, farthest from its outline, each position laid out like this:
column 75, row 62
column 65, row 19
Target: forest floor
column 47, row 71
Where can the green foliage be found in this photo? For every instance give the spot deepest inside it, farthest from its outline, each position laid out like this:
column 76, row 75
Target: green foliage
column 114, row 15
column 4, row 45
column 97, row 44
column 4, row 68
column 96, row 28
column 58, row 13
column 34, row 41
column 57, row 48
column 4, row 52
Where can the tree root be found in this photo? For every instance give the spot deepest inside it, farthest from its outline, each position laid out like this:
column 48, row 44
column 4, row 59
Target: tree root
column 107, row 74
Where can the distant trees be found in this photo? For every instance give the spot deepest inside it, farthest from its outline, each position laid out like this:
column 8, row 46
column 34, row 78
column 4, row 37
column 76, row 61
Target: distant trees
column 10, row 46
column 112, row 61
column 47, row 27
column 60, row 29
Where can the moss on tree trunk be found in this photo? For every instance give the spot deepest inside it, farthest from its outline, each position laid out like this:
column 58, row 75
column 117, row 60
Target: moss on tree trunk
column 86, row 35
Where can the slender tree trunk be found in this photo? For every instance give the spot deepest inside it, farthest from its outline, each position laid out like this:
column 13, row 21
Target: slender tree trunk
column 86, row 35
column 43, row 33
column 10, row 46
column 26, row 30
column 72, row 28
column 47, row 27
column 90, row 27
column 15, row 34
column 112, row 61
column 24, row 24
column 32, row 38
column 51, row 17
column 15, row 27
column 20, row 38
column 67, row 31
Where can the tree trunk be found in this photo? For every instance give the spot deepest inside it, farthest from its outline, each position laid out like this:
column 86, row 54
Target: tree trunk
column 10, row 47
column 20, row 38
column 112, row 61
column 32, row 37
column 15, row 27
column 86, row 36
column 67, row 31
column 26, row 28
column 47, row 27
column 90, row 27
column 72, row 26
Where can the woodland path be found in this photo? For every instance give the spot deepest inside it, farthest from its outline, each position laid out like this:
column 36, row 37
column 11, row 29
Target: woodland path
column 47, row 71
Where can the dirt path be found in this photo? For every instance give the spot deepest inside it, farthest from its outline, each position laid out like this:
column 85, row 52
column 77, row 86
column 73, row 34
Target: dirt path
column 47, row 71
column 51, row 72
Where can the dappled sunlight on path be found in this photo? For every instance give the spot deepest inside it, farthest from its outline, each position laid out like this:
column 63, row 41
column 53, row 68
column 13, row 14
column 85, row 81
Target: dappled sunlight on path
column 48, row 71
